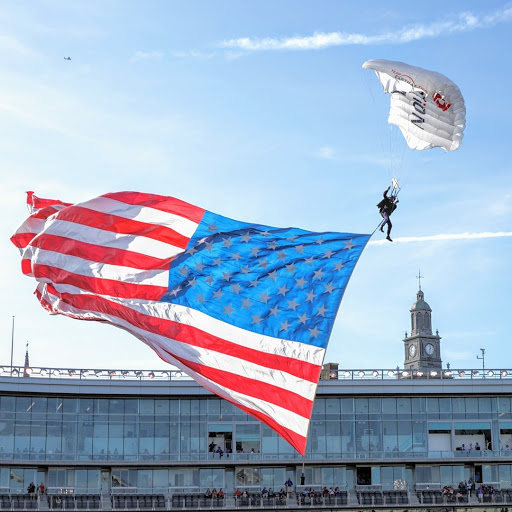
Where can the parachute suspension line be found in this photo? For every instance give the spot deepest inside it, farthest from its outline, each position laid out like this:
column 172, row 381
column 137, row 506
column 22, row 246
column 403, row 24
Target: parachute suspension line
column 385, row 140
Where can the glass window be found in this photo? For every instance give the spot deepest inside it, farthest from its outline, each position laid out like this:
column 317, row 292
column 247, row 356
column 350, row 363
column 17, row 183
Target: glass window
column 162, row 409
column 160, row 480
column 85, row 436
column 404, row 436
column 332, row 406
column 124, row 477
column 269, row 441
column 211, row 479
column 332, row 439
column 81, row 480
column 93, row 480
column 183, row 478
column 347, row 437
column 390, row 436
column 54, row 440
column 7, row 404
column 162, row 440
column 445, row 405
column 504, row 405
column 361, row 405
column 116, row 406
column 389, row 405
column 7, row 438
column 433, row 407
column 485, row 405
column 131, row 406
column 505, row 476
column 471, row 407
column 374, row 405
column 100, row 440
column 418, row 405
column 86, row 406
column 490, row 473
column 317, row 437
column 347, row 405
column 115, row 439
column 319, row 406
column 38, row 439
column 247, row 438
column 403, row 406
column 69, row 405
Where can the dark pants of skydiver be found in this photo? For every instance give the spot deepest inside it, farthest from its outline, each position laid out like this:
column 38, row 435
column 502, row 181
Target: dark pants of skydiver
column 387, row 221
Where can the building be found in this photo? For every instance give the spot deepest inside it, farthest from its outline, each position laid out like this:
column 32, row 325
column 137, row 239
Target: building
column 150, row 440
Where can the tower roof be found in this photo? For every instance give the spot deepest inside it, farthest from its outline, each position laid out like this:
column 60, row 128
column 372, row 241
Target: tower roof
column 420, row 304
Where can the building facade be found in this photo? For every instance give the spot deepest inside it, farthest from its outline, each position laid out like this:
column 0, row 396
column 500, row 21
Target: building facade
column 109, row 432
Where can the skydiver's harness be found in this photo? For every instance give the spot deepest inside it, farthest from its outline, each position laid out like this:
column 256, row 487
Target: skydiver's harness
column 387, row 205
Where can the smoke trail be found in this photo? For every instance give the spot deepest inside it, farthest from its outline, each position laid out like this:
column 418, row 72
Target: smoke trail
column 435, row 238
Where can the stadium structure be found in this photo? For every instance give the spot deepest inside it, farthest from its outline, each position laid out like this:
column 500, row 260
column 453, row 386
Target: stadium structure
column 420, row 437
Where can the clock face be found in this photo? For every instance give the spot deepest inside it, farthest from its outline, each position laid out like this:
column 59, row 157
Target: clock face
column 412, row 350
column 429, row 349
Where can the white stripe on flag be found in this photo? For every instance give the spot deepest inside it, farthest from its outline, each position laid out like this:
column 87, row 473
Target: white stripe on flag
column 79, row 266
column 134, row 243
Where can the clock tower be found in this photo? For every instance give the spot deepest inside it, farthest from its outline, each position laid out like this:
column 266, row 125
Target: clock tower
column 422, row 348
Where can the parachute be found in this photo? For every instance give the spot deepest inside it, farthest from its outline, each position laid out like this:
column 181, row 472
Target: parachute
column 427, row 106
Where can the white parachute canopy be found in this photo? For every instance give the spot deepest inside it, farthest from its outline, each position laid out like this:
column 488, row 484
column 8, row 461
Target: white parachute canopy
column 427, row 106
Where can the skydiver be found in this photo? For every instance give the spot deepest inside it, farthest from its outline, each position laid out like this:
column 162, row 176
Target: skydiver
column 386, row 207
column 67, row 58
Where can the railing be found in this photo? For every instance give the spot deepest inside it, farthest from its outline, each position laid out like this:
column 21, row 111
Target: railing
column 6, row 457
column 382, row 500
column 173, row 375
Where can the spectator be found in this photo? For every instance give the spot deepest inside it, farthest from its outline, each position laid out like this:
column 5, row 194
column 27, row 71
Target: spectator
column 289, row 485
column 41, row 488
column 31, row 489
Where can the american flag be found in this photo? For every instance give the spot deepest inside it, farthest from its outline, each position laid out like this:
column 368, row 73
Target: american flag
column 244, row 309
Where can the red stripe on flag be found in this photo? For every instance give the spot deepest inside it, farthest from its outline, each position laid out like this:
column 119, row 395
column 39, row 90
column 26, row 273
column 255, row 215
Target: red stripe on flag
column 99, row 253
column 38, row 203
column 116, row 224
column 21, row 240
column 259, row 390
column 274, row 394
column 296, row 440
column 163, row 203
column 110, row 287
column 26, row 267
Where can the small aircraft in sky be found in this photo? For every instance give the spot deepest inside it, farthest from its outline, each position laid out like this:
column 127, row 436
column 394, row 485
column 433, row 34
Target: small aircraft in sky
column 67, row 58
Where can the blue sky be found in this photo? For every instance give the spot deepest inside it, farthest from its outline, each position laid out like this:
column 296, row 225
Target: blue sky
column 261, row 111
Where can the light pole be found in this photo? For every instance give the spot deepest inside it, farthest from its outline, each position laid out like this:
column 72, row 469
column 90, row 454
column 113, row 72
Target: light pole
column 12, row 341
column 483, row 360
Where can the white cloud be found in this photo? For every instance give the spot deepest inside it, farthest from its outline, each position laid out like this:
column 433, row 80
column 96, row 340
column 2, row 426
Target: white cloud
column 140, row 55
column 459, row 236
column 192, row 54
column 326, row 153
column 13, row 45
column 320, row 40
